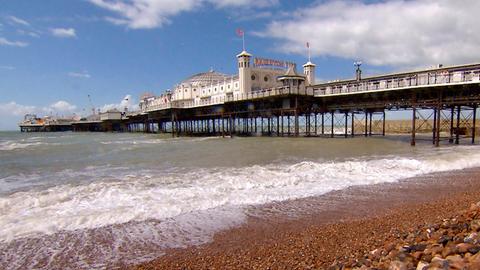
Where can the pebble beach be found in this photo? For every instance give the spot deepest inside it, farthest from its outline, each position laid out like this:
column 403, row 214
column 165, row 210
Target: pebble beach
column 422, row 223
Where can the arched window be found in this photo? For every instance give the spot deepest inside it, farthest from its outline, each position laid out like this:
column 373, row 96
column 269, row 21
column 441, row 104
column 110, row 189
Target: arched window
column 253, row 77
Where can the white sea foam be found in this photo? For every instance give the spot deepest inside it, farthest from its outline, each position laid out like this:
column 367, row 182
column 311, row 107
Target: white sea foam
column 111, row 246
column 135, row 142
column 12, row 145
column 142, row 141
column 201, row 139
column 29, row 142
column 122, row 195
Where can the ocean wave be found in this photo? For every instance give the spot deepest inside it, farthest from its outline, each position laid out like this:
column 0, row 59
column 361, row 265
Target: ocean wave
column 13, row 145
column 130, row 141
column 121, row 194
column 134, row 142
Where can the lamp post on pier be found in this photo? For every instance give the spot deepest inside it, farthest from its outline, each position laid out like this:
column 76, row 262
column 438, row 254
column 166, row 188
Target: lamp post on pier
column 358, row 71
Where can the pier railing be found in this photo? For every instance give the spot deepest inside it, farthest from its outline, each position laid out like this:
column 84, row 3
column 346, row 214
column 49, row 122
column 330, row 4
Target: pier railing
column 408, row 80
column 434, row 77
column 230, row 97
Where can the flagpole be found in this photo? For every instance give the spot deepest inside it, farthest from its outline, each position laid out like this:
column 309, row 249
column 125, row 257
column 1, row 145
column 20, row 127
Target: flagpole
column 243, row 40
column 308, row 50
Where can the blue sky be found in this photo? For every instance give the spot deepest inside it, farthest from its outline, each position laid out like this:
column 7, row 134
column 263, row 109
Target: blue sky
column 53, row 53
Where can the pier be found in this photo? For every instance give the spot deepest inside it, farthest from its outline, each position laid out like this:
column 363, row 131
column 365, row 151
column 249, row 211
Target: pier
column 441, row 100
column 32, row 123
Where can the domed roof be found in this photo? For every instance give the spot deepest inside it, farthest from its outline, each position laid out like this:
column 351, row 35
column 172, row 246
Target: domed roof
column 205, row 78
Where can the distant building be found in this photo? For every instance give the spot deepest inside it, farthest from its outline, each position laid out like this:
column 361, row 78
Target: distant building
column 113, row 114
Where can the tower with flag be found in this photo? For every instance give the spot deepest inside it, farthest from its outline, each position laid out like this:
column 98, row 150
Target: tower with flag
column 244, row 68
column 309, row 68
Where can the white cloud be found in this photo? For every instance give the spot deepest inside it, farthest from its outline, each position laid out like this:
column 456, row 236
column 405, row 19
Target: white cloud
column 63, row 32
column 244, row 3
column 28, row 33
column 14, row 109
column 6, row 42
column 11, row 113
column 16, row 20
column 82, row 74
column 127, row 102
column 63, row 106
column 395, row 33
column 147, row 14
column 7, row 67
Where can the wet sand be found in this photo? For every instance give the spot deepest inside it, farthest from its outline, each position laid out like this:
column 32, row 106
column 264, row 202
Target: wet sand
column 339, row 226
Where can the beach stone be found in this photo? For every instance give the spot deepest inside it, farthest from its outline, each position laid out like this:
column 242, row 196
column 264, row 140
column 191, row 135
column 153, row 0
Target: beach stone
column 417, row 255
column 457, row 239
column 418, row 247
column 471, row 238
column 375, row 254
column 449, row 250
column 404, row 249
column 474, row 258
column 475, row 225
column 464, row 247
column 474, row 249
column 433, row 249
column 456, row 262
column 426, row 258
column 422, row 266
column 475, row 206
column 397, row 265
column 438, row 263
column 444, row 239
column 474, row 261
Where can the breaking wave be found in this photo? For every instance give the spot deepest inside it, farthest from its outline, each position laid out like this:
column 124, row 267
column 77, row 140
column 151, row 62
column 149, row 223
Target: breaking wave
column 88, row 203
column 122, row 194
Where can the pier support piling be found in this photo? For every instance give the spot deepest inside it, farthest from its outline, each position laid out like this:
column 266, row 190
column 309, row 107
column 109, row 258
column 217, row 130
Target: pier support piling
column 414, row 127
column 439, row 116
column 474, row 123
column 457, row 129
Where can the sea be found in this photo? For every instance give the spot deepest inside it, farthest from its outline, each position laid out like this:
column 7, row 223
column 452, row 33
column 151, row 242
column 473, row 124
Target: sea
column 105, row 200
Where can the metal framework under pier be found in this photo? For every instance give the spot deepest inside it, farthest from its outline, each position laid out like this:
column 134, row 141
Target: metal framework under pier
column 442, row 104
column 448, row 114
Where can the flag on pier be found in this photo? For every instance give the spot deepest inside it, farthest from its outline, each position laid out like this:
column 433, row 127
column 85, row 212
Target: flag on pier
column 240, row 32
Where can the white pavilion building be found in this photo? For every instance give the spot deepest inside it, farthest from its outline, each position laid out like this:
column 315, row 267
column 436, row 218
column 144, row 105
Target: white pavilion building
column 212, row 87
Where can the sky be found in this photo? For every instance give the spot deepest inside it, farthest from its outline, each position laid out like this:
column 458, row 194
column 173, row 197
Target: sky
column 54, row 54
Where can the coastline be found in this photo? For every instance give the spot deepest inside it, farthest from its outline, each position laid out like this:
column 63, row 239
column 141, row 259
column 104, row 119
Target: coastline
column 339, row 226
